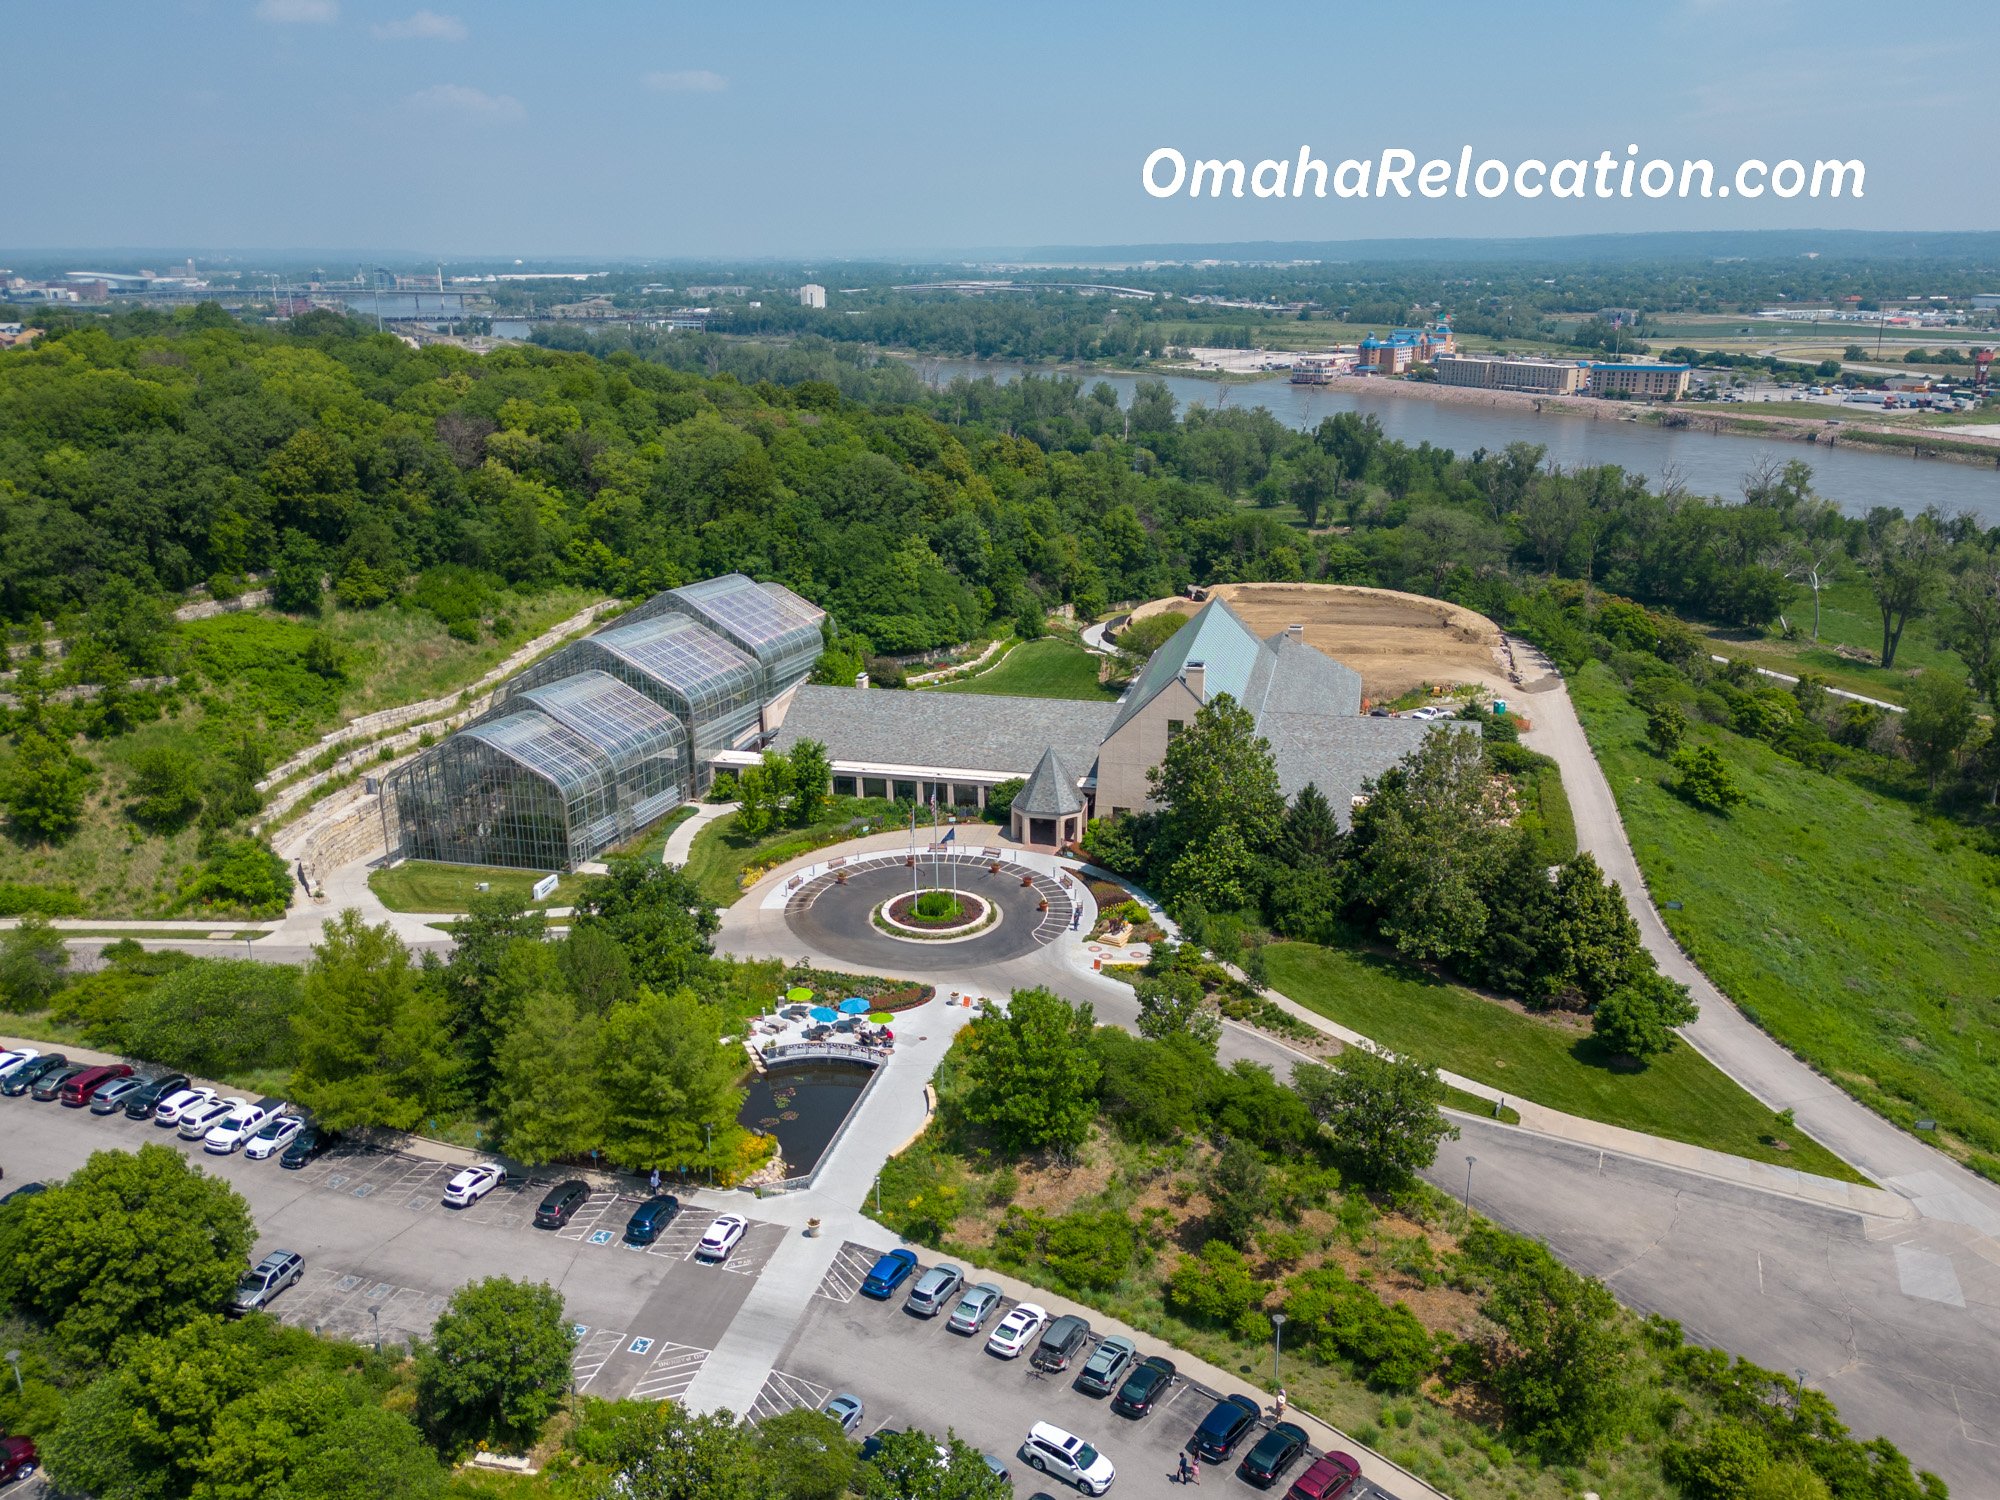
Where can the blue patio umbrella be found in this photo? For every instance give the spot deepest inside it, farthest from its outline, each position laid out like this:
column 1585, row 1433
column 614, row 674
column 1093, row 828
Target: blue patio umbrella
column 823, row 1013
column 854, row 1005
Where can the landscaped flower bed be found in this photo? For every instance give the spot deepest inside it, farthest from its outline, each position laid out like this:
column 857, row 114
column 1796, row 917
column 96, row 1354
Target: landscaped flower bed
column 882, row 994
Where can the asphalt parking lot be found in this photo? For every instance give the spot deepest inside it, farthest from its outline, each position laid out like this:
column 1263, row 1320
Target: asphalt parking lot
column 383, row 1253
column 918, row 1374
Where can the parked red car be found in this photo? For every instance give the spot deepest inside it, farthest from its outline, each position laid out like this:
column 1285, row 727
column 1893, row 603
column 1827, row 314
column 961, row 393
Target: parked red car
column 76, row 1091
column 1330, row 1477
column 18, row 1459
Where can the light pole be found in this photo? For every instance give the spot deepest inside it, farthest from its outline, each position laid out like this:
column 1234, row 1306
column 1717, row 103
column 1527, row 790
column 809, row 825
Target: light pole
column 708, row 1128
column 375, row 1312
column 1277, row 1344
column 1468, row 1182
column 14, row 1359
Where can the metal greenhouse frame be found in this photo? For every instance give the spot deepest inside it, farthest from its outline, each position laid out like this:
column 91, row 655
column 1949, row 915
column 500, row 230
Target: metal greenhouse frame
column 767, row 620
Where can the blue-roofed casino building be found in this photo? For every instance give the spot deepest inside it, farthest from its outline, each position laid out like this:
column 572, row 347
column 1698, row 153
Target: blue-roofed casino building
column 609, row 734
column 1082, row 759
column 1400, row 348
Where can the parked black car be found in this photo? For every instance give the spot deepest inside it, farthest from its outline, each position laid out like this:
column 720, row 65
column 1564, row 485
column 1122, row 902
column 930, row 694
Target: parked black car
column 1152, row 1379
column 561, row 1204
column 25, row 1190
column 650, row 1217
column 1059, row 1345
column 1223, row 1428
column 1274, row 1453
column 308, row 1145
column 140, row 1105
column 27, row 1076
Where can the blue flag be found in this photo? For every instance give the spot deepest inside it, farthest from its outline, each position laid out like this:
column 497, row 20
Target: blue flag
column 949, row 835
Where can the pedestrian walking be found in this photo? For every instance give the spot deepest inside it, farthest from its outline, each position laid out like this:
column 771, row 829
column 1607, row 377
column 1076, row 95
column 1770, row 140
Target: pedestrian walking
column 654, row 1182
column 1182, row 1474
column 1281, row 1403
column 1195, row 1467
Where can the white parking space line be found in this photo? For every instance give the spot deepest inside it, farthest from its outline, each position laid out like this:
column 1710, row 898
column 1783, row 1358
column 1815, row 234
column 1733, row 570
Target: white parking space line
column 672, row 1371
column 593, row 1348
column 844, row 1277
column 595, row 1207
column 783, row 1393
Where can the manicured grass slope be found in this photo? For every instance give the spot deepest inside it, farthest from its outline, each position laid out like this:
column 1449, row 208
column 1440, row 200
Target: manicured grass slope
column 1861, row 937
column 1039, row 669
column 1681, row 1096
column 421, row 885
column 721, row 853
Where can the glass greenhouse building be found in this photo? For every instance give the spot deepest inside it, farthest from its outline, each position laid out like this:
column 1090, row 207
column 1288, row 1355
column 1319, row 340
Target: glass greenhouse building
column 609, row 734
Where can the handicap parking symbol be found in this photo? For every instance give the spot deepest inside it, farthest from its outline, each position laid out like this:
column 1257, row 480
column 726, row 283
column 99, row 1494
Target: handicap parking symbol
column 640, row 1346
column 579, row 1329
column 600, row 1237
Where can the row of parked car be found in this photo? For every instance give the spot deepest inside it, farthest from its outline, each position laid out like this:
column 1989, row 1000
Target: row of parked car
column 222, row 1123
column 1114, row 1368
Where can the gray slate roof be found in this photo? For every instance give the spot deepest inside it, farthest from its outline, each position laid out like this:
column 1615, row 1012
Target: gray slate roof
column 958, row 731
column 1292, row 677
column 1051, row 792
column 1337, row 755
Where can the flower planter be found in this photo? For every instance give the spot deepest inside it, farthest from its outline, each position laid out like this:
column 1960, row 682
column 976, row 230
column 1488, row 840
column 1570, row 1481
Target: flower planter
column 812, row 1229
column 840, row 877
column 1043, row 905
column 1026, row 881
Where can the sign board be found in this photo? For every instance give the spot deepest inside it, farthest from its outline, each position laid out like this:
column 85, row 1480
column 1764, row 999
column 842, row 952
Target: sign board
column 545, row 887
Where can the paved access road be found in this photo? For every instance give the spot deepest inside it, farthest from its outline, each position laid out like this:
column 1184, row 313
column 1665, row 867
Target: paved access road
column 916, row 1373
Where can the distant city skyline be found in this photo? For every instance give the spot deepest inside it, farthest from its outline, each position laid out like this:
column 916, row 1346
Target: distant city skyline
column 628, row 130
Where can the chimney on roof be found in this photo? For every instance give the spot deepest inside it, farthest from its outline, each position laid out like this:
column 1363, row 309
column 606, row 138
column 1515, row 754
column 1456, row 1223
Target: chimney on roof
column 1295, row 632
column 1195, row 675
column 861, row 679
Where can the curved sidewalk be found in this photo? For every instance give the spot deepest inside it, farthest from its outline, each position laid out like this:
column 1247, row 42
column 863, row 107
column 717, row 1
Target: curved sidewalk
column 1936, row 1185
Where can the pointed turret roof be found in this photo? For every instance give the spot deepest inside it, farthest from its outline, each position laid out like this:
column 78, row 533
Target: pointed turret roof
column 1051, row 792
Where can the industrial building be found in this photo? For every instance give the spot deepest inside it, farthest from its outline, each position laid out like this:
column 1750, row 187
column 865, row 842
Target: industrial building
column 609, row 734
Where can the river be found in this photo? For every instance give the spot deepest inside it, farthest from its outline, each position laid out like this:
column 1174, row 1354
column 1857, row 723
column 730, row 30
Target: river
column 1710, row 463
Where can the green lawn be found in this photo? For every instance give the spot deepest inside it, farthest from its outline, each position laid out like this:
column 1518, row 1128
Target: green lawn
column 422, row 885
column 1848, row 617
column 721, row 854
column 1039, row 669
column 1681, row 1096
column 1862, row 936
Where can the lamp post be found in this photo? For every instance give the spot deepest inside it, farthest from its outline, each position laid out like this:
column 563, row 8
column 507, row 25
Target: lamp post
column 708, row 1127
column 375, row 1312
column 1277, row 1344
column 1468, row 1182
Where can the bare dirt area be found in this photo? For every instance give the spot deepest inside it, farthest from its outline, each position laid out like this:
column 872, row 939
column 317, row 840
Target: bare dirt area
column 1396, row 641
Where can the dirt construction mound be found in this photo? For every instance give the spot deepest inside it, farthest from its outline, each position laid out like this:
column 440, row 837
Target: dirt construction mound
column 1396, row 641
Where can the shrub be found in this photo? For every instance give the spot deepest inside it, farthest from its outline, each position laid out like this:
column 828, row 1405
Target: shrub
column 18, row 899
column 242, row 875
column 1215, row 1285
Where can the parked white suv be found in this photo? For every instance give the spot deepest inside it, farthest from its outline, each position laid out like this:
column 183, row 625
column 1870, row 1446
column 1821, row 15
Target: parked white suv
column 1068, row 1457
column 198, row 1119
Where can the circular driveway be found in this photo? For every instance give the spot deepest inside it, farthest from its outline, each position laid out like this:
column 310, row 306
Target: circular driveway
column 836, row 919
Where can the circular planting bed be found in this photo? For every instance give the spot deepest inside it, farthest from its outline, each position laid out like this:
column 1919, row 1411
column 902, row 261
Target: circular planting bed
column 936, row 916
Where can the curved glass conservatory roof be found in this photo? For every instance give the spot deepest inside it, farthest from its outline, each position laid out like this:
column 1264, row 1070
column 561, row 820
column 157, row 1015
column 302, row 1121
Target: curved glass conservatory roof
column 767, row 620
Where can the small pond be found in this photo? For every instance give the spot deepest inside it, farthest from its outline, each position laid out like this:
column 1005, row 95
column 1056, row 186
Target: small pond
column 803, row 1106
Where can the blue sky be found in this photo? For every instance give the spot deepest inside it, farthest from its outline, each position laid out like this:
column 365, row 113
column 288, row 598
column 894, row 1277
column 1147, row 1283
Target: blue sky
column 602, row 127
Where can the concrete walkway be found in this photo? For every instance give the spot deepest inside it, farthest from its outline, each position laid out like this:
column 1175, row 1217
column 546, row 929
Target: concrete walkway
column 1832, row 692
column 681, row 840
column 1937, row 1186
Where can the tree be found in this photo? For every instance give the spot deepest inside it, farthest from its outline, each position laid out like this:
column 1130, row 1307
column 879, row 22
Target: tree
column 1590, row 943
column 659, row 1450
column 1139, row 639
column 1905, row 571
column 909, row 1466
column 1937, row 718
column 547, row 1104
column 1238, row 1185
column 372, row 1040
column 214, row 1017
column 1666, row 727
column 1218, row 787
column 655, row 913
column 1031, row 1076
column 1174, row 1004
column 239, row 875
column 1638, row 1019
column 1702, row 776
column 1971, row 626
column 45, row 786
column 498, row 1363
column 1560, row 1374
column 484, row 983
column 32, row 960
column 296, row 575
column 166, row 788
column 806, row 1455
column 1426, row 842
column 812, row 781
column 668, row 1084
column 130, row 1244
column 1384, row 1111
column 1724, row 1465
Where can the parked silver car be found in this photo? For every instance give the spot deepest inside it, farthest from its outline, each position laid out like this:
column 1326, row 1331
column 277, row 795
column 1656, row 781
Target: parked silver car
column 934, row 1290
